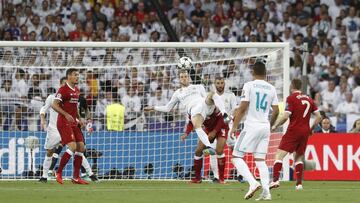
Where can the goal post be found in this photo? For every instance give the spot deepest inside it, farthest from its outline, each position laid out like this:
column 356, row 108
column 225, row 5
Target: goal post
column 140, row 145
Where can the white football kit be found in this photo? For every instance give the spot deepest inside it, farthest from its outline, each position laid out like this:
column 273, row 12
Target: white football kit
column 255, row 136
column 52, row 136
column 192, row 98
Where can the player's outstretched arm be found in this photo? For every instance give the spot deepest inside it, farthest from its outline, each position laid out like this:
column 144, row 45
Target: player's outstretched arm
column 167, row 108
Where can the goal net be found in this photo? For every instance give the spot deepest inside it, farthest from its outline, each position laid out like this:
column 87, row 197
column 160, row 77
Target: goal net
column 116, row 81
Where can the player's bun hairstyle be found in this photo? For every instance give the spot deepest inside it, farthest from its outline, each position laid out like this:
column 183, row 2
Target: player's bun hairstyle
column 70, row 71
column 296, row 83
column 259, row 69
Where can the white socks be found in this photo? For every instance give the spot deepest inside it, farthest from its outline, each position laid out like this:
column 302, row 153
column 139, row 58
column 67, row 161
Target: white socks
column 86, row 165
column 46, row 166
column 219, row 103
column 264, row 175
column 243, row 170
column 214, row 166
column 203, row 137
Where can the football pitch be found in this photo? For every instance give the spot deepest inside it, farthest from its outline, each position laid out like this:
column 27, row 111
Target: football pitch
column 171, row 192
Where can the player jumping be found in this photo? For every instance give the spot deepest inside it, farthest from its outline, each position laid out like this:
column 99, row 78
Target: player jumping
column 298, row 108
column 198, row 105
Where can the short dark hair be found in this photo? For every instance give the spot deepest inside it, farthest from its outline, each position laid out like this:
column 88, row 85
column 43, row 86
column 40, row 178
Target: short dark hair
column 296, row 83
column 259, row 69
column 70, row 71
column 62, row 79
column 219, row 78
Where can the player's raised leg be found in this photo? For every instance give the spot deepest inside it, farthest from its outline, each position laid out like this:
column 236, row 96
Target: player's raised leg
column 214, row 99
column 197, row 121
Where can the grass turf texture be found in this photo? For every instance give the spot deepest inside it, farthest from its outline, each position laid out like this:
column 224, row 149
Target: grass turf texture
column 170, row 192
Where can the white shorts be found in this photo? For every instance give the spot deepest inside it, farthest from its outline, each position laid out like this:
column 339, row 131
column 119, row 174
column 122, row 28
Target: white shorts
column 52, row 139
column 203, row 109
column 254, row 138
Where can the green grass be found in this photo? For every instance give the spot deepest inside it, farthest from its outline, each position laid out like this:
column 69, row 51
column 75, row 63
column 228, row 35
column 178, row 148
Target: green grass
column 170, row 192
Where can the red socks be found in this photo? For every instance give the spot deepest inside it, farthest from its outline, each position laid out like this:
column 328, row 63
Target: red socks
column 77, row 164
column 64, row 160
column 197, row 167
column 276, row 170
column 299, row 167
column 221, row 166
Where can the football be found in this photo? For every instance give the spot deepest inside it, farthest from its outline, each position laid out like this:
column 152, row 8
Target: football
column 185, row 63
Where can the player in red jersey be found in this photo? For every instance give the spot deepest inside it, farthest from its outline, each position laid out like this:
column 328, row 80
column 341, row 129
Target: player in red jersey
column 216, row 128
column 66, row 104
column 298, row 109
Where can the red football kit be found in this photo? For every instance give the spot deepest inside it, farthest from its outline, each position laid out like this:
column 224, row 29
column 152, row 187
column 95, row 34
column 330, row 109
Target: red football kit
column 69, row 97
column 300, row 107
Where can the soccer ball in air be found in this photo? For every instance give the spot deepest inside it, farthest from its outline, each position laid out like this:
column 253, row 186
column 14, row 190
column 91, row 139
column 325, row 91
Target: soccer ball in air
column 185, row 63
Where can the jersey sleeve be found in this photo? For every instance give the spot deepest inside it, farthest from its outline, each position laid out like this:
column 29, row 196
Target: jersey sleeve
column 245, row 94
column 47, row 105
column 170, row 105
column 61, row 94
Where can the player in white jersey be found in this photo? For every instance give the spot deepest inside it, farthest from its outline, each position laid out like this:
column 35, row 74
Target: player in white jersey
column 53, row 145
column 53, row 139
column 198, row 105
column 257, row 98
column 230, row 103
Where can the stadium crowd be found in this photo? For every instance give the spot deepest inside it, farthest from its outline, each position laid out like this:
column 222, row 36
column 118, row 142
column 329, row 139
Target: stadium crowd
column 331, row 28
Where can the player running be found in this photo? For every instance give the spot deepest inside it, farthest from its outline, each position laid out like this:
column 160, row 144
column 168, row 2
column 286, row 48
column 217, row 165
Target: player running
column 298, row 108
column 257, row 97
column 198, row 105
column 65, row 103
column 217, row 129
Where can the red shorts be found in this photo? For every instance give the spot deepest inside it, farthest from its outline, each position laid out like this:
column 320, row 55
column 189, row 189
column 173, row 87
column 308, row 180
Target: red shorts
column 70, row 133
column 221, row 134
column 294, row 141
